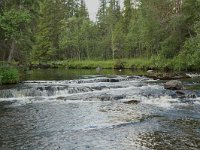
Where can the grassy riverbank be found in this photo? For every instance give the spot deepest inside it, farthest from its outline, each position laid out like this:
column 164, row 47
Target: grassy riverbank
column 92, row 64
column 11, row 75
column 137, row 64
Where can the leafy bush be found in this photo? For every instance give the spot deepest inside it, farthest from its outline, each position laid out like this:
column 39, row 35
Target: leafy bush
column 8, row 75
column 188, row 59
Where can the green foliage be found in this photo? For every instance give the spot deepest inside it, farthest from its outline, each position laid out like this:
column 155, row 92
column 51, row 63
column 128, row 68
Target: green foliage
column 119, row 64
column 49, row 28
column 8, row 75
column 16, row 29
column 118, row 41
column 90, row 64
column 188, row 59
column 12, row 21
column 144, row 34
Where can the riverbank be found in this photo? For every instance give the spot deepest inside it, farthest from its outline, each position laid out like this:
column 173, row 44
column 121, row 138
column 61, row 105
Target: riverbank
column 11, row 75
column 142, row 64
column 136, row 64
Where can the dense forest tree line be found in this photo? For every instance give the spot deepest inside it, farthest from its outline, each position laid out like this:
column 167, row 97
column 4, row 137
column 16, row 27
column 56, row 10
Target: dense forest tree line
column 61, row 30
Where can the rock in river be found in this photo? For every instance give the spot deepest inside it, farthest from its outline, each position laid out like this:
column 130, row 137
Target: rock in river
column 130, row 101
column 186, row 94
column 173, row 85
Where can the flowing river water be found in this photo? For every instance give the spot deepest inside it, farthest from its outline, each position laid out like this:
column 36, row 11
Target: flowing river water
column 85, row 110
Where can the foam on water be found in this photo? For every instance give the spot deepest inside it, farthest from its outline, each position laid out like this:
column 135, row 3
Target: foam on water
column 163, row 101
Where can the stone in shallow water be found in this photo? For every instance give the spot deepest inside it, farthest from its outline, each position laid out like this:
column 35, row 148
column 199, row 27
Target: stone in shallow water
column 173, row 85
column 110, row 97
column 180, row 94
column 113, row 80
column 184, row 94
column 61, row 98
column 131, row 102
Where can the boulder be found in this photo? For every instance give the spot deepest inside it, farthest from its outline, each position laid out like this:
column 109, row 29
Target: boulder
column 173, row 85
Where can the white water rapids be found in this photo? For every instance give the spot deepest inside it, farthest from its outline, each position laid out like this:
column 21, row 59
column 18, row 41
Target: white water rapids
column 98, row 113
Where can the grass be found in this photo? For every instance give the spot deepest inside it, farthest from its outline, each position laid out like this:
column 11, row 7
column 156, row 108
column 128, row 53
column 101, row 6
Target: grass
column 154, row 63
column 92, row 64
column 142, row 64
column 74, row 64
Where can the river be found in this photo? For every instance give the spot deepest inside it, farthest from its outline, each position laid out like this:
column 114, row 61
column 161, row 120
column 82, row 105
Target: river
column 108, row 110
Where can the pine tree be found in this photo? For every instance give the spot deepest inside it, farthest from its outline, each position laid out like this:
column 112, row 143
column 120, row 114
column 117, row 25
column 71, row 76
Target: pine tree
column 101, row 14
column 49, row 28
column 82, row 10
column 127, row 15
column 71, row 7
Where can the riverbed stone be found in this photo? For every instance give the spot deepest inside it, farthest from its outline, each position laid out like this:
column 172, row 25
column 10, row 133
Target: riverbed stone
column 173, row 85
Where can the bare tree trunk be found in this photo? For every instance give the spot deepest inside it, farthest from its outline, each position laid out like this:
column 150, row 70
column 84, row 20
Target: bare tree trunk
column 113, row 47
column 113, row 53
column 13, row 45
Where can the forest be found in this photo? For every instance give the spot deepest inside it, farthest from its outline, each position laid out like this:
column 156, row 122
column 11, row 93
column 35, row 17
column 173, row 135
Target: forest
column 161, row 31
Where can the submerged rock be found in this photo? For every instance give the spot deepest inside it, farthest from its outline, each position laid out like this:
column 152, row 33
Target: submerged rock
column 184, row 94
column 173, row 85
column 110, row 97
column 109, row 80
column 61, row 98
column 131, row 102
column 180, row 94
column 113, row 80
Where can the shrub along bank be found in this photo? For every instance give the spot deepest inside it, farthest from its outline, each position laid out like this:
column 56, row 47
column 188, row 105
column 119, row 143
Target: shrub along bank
column 9, row 75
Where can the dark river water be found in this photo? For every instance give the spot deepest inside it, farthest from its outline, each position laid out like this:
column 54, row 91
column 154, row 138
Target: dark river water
column 108, row 110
